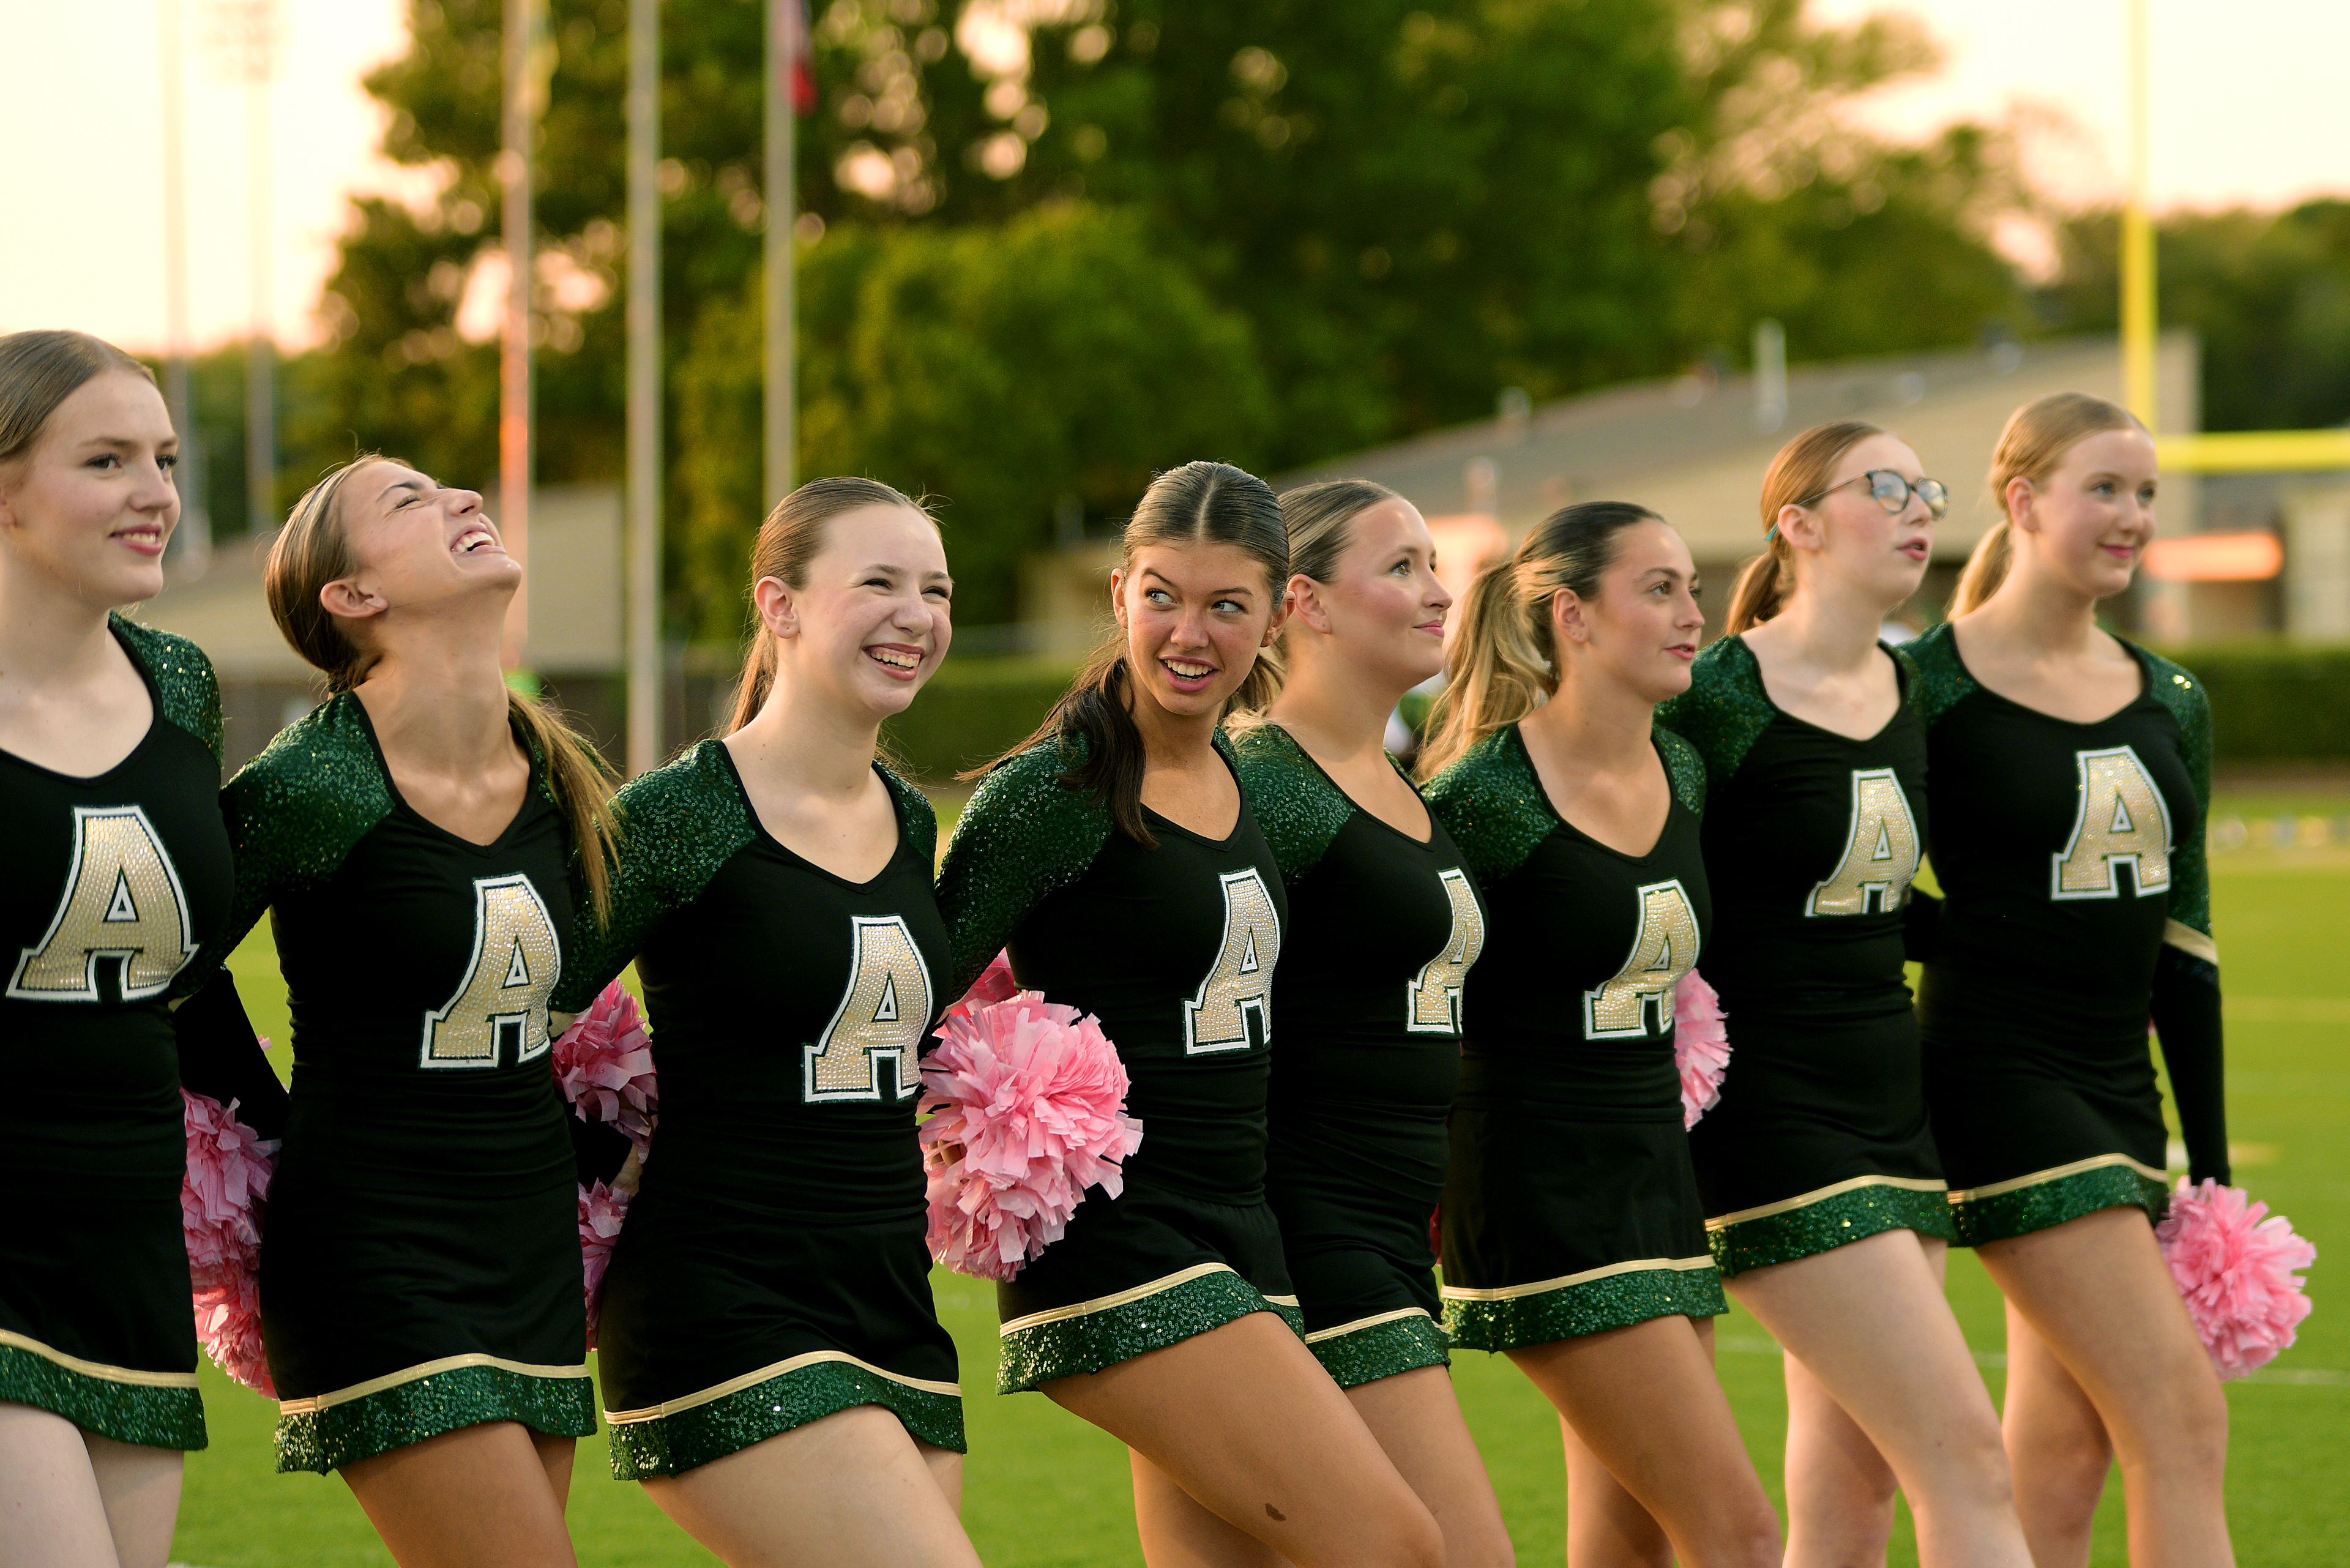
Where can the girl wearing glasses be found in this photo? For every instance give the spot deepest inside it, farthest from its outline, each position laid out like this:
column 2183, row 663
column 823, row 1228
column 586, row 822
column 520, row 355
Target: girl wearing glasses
column 1574, row 1237
column 1828, row 1212
column 2071, row 777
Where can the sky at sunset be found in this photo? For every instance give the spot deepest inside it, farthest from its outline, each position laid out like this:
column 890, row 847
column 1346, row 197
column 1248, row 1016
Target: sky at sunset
column 2248, row 97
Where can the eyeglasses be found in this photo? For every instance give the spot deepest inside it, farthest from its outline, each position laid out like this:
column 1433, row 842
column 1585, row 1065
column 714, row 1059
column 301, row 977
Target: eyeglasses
column 1893, row 492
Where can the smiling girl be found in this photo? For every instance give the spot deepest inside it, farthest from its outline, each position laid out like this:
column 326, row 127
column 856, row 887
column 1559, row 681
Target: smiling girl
column 774, row 1368
column 116, row 871
column 416, row 839
column 1116, row 858
column 1574, row 1236
column 2070, row 773
column 1826, row 1207
column 1385, row 925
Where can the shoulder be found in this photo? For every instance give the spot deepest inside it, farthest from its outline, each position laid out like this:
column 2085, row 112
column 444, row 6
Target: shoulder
column 1295, row 805
column 1030, row 782
column 1939, row 678
column 2178, row 689
column 1683, row 766
column 1491, row 802
column 184, row 679
column 319, row 785
column 692, row 793
column 1725, row 710
column 921, row 818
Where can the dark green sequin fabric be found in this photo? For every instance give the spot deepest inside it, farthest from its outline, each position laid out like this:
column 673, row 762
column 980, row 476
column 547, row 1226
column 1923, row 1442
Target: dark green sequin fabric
column 1296, row 805
column 1023, row 835
column 296, row 811
column 680, row 824
column 1942, row 680
column 1492, row 803
column 327, row 1439
column 1381, row 1350
column 1725, row 710
column 2025, row 1210
column 153, row 1417
column 672, row 1444
column 182, row 676
column 2190, row 871
column 1831, row 1222
column 1091, row 1341
column 1570, row 1312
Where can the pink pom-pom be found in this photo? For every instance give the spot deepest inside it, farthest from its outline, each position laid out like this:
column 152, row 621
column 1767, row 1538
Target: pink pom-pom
column 605, row 1064
column 222, row 1201
column 995, row 984
column 1030, row 1103
column 2234, row 1263
column 601, row 1211
column 1700, row 1046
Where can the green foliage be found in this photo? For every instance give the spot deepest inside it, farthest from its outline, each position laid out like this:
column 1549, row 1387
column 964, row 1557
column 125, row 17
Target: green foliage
column 2276, row 701
column 972, row 712
column 2269, row 293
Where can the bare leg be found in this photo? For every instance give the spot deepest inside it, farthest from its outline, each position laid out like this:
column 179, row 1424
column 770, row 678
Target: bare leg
column 2058, row 1446
column 479, row 1497
column 1605, row 1525
column 1178, row 1532
column 52, row 1513
column 140, row 1488
column 851, row 1491
column 1244, row 1420
column 1416, row 1419
column 1646, row 1402
column 1869, row 1321
column 2095, row 1292
column 1840, row 1490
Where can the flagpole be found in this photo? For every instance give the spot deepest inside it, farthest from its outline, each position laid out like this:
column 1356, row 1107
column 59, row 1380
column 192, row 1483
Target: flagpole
column 519, row 117
column 644, row 518
column 785, row 45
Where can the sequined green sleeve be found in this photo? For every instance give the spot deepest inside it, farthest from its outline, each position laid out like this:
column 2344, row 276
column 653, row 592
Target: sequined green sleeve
column 1941, row 680
column 1023, row 835
column 1492, row 803
column 679, row 825
column 182, row 676
column 1295, row 805
column 2180, row 693
column 1684, row 768
column 1725, row 710
column 295, row 811
column 920, row 816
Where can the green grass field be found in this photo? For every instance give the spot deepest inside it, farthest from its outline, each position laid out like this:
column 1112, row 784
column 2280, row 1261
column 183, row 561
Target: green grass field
column 1044, row 1491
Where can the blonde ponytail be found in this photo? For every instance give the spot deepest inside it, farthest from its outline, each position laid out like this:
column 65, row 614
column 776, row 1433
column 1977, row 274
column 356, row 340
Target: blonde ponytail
column 2034, row 441
column 1503, row 661
column 1986, row 568
column 1801, row 471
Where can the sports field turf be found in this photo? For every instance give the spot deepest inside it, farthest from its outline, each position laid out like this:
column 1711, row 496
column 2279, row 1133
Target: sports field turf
column 1044, row 1491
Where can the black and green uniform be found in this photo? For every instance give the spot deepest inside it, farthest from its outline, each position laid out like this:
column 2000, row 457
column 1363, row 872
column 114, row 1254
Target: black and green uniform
column 2076, row 903
column 1383, row 930
column 1173, row 948
column 773, row 1269
column 1811, row 839
column 420, row 1265
column 109, row 886
column 1571, row 1206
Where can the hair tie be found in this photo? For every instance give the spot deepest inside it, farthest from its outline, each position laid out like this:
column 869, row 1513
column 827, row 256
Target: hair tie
column 1770, row 532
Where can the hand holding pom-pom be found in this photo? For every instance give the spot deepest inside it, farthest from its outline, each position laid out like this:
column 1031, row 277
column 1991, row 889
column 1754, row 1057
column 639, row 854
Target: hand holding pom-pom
column 605, row 1064
column 1700, row 1046
column 222, row 1201
column 2235, row 1266
column 601, row 1211
column 1030, row 1103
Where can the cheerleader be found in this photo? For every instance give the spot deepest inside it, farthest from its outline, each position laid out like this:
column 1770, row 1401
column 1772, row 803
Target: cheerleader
column 2070, row 776
column 1826, row 1207
column 1574, row 1237
column 118, row 870
column 1116, row 858
column 415, row 839
column 774, row 1373
column 1384, row 925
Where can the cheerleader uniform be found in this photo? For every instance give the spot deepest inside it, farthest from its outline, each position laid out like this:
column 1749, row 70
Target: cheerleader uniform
column 2076, row 902
column 772, row 1270
column 111, row 883
column 1811, row 838
column 1571, row 1207
column 1385, row 928
column 1173, row 948
column 420, row 1263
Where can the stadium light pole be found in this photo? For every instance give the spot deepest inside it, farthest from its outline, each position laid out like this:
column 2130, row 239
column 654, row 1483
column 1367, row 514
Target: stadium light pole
column 786, row 41
column 524, row 98
column 644, row 520
column 243, row 40
column 194, row 537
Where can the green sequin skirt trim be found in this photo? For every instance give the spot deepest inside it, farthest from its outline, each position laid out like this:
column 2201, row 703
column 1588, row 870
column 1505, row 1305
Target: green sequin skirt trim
column 330, row 1430
column 1616, row 1296
column 1355, row 1354
column 1823, row 1220
column 2001, row 1209
column 153, row 1410
column 1093, row 1334
column 675, row 1436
